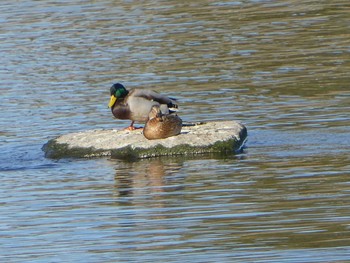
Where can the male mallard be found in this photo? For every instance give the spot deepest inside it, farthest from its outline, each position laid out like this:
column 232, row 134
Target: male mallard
column 135, row 104
column 160, row 126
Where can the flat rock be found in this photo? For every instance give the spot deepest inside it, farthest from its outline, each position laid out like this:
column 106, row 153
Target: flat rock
column 222, row 137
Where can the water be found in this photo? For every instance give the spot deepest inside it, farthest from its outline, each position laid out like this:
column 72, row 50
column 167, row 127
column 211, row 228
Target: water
column 280, row 67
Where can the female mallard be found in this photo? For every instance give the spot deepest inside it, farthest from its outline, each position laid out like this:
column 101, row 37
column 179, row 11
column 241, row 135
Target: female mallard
column 160, row 126
column 135, row 104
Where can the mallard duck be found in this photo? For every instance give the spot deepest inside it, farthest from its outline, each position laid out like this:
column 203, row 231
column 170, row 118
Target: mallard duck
column 160, row 126
column 136, row 104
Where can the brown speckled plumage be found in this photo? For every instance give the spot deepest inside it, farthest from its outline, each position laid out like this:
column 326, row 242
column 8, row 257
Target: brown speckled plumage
column 160, row 126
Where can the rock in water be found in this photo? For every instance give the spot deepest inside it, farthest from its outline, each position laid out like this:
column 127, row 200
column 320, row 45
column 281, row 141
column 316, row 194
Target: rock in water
column 224, row 137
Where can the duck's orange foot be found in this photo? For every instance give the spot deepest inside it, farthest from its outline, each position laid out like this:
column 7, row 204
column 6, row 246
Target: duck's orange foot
column 132, row 128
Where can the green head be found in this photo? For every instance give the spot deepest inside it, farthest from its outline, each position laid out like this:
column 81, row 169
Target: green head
column 117, row 91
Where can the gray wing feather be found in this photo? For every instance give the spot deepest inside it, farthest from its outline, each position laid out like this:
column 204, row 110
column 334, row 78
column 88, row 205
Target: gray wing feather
column 140, row 108
column 141, row 101
column 152, row 95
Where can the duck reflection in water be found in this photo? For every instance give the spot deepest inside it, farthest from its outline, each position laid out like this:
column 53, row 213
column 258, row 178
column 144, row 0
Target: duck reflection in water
column 144, row 177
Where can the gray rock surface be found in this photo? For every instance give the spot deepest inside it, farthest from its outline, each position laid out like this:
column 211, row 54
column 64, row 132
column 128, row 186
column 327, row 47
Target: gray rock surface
column 211, row 137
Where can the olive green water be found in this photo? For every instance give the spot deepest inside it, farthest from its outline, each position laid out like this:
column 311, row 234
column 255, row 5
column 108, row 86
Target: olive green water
column 280, row 67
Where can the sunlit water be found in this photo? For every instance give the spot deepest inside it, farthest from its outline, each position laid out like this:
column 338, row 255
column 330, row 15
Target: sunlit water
column 280, row 67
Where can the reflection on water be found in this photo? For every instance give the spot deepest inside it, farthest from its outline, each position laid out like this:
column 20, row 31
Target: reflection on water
column 279, row 67
column 230, row 207
column 132, row 177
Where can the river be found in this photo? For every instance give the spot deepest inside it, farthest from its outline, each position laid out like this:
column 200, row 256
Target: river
column 280, row 67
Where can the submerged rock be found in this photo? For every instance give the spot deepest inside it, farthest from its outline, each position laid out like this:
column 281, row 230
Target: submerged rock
column 223, row 137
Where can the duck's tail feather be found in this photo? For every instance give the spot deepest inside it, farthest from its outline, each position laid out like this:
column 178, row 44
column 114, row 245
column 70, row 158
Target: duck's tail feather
column 172, row 107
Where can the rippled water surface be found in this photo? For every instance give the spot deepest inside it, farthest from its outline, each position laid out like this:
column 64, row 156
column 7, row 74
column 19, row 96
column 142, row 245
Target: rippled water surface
column 280, row 67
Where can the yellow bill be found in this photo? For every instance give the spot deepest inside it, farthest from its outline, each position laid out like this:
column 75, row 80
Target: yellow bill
column 112, row 101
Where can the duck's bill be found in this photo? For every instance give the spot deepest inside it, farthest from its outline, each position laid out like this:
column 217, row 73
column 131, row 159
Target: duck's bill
column 112, row 101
